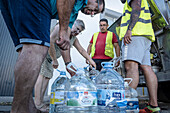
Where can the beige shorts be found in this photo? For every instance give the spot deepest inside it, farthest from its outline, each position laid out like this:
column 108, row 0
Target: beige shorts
column 46, row 69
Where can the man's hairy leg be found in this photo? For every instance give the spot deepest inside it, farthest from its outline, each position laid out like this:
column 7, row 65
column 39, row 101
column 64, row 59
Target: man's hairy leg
column 26, row 72
column 31, row 101
column 132, row 72
column 152, row 84
column 38, row 90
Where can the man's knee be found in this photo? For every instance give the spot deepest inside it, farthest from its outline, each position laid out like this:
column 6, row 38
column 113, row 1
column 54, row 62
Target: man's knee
column 131, row 66
column 146, row 68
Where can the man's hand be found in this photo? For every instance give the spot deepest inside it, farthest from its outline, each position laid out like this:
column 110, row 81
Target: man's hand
column 72, row 73
column 64, row 8
column 55, row 64
column 127, row 38
column 64, row 39
column 92, row 64
column 87, row 62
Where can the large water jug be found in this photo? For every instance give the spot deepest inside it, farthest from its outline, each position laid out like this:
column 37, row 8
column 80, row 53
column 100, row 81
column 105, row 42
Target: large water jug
column 86, row 71
column 81, row 94
column 110, row 86
column 58, row 98
column 131, row 97
column 93, row 74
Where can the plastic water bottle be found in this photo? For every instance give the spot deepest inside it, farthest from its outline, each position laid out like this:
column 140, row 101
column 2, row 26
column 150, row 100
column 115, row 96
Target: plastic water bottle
column 58, row 98
column 81, row 94
column 132, row 100
column 110, row 86
column 93, row 74
column 86, row 71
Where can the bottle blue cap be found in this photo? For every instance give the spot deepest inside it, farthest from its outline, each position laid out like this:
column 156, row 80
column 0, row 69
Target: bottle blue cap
column 62, row 73
column 107, row 64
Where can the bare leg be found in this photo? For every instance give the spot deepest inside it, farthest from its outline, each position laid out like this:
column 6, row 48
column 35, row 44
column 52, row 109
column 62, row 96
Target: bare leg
column 31, row 102
column 132, row 72
column 26, row 72
column 44, row 87
column 152, row 84
column 40, row 88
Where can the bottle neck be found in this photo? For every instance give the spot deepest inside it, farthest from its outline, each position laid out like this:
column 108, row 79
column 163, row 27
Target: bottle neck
column 63, row 76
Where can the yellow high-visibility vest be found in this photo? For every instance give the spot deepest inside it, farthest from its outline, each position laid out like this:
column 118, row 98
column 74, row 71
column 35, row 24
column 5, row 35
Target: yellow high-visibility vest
column 108, row 44
column 143, row 27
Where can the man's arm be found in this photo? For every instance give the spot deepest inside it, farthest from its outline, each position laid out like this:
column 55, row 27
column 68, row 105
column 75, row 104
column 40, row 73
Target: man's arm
column 67, row 59
column 136, row 9
column 82, row 51
column 66, row 55
column 64, row 8
column 52, row 51
column 89, row 48
column 117, row 50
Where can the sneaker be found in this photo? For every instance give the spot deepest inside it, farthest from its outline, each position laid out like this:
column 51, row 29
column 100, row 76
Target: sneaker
column 149, row 109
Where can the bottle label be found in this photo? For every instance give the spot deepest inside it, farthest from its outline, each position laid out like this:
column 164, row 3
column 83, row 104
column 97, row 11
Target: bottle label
column 132, row 104
column 105, row 96
column 82, row 98
column 57, row 97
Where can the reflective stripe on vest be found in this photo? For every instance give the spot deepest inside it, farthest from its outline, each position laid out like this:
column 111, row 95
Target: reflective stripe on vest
column 108, row 44
column 143, row 27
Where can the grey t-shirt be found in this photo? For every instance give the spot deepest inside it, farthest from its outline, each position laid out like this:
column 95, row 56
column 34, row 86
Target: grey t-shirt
column 58, row 53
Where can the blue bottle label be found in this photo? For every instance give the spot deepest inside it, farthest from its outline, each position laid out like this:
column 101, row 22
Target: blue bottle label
column 132, row 104
column 106, row 95
column 81, row 98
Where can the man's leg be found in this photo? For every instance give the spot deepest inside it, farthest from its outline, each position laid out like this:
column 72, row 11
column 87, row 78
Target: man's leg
column 152, row 84
column 26, row 72
column 132, row 72
column 44, row 87
column 40, row 88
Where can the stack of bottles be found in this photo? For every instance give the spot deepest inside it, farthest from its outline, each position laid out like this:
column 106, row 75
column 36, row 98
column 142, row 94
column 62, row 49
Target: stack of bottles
column 58, row 98
column 110, row 89
column 81, row 94
column 105, row 92
column 132, row 100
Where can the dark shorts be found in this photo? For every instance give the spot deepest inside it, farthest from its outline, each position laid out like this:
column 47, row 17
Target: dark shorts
column 28, row 21
column 99, row 61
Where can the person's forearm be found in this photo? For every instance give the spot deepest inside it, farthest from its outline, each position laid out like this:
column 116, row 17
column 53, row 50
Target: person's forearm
column 83, row 52
column 52, row 52
column 64, row 8
column 117, row 50
column 89, row 49
column 136, row 9
column 66, row 55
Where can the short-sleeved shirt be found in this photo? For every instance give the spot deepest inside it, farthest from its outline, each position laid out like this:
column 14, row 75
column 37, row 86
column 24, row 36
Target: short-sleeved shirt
column 100, row 45
column 78, row 5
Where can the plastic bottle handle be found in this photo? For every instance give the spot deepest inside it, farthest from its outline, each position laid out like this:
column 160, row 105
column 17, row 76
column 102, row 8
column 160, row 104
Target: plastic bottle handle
column 128, row 79
column 58, row 70
column 69, row 67
column 102, row 64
